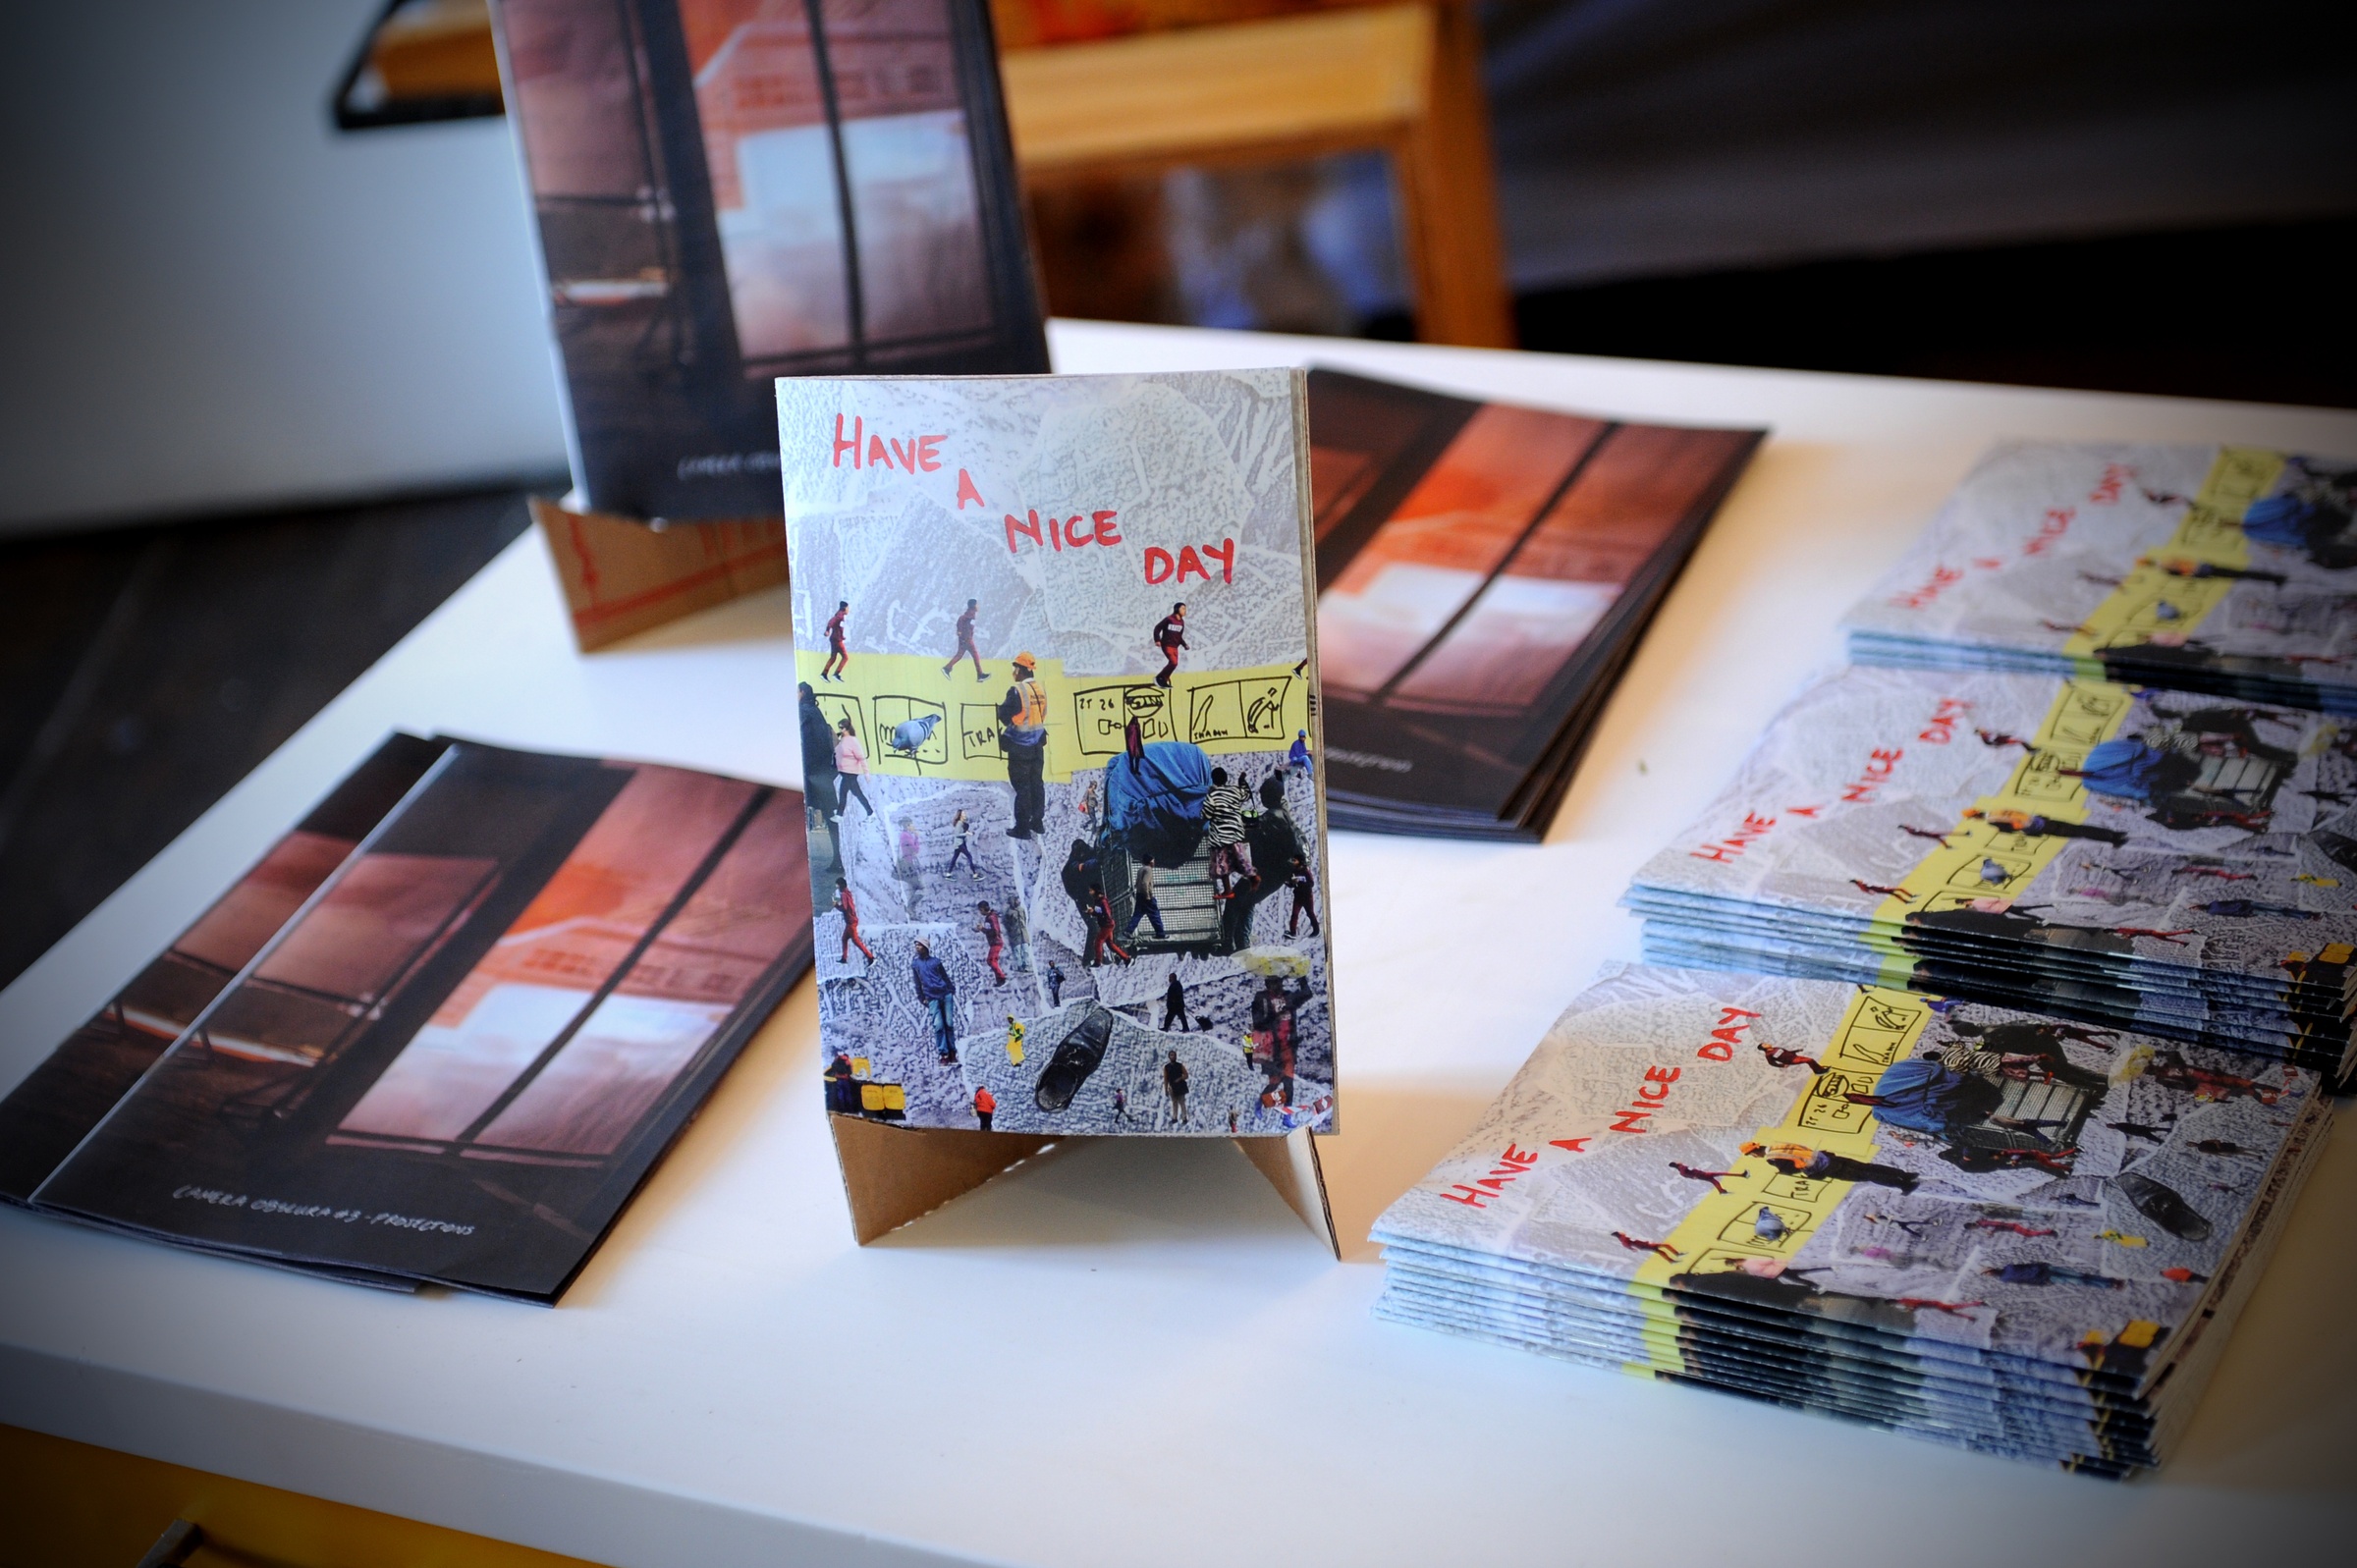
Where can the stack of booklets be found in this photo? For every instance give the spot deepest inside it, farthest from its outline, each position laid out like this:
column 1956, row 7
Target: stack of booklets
column 1485, row 572
column 440, row 1031
column 2230, row 571
column 2127, row 857
column 1979, row 1226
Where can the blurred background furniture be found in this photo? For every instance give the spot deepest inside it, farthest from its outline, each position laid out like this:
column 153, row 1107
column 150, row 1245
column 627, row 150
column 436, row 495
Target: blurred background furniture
column 1140, row 88
column 101, row 1508
column 1110, row 98
column 228, row 304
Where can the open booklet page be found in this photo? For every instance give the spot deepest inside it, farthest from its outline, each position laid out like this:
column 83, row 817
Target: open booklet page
column 1485, row 570
column 1058, row 732
column 727, row 190
column 2166, row 861
column 439, row 1033
column 2225, row 570
column 46, row 1117
column 1991, row 1228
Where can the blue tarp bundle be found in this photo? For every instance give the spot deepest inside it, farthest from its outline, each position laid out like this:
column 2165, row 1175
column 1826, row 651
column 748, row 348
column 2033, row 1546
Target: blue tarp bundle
column 2281, row 521
column 2125, row 769
column 1154, row 803
column 1922, row 1096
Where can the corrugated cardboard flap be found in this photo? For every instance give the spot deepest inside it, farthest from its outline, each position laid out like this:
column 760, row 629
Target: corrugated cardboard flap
column 892, row 1175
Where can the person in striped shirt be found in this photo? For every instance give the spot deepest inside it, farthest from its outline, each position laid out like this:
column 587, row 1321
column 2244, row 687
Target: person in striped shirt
column 1223, row 831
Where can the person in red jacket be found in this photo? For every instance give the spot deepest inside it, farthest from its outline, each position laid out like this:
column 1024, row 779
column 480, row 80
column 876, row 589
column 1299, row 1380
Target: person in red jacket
column 837, row 654
column 965, row 641
column 1305, row 889
column 850, row 924
column 1100, row 929
column 995, row 935
column 985, row 1104
column 1170, row 636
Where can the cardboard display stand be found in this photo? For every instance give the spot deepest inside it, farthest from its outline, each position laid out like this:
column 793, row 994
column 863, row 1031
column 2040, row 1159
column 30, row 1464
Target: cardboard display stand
column 624, row 575
column 893, row 1175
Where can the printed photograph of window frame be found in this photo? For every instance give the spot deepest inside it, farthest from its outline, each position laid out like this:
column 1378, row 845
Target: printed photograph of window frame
column 369, row 1054
column 730, row 191
column 1468, row 551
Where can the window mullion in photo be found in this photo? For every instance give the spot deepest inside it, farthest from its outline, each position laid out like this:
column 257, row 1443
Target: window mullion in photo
column 621, row 972
column 855, row 305
column 1433, row 643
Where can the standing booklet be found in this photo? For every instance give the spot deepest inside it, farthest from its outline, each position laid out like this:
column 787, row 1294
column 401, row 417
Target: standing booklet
column 440, row 1031
column 1058, row 715
column 2225, row 570
column 730, row 191
column 1486, row 572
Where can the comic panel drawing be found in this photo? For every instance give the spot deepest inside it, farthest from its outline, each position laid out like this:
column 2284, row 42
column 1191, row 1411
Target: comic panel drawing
column 1102, row 717
column 914, row 733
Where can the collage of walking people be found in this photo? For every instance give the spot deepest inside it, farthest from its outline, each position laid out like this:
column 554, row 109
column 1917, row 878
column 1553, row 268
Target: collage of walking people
column 1057, row 730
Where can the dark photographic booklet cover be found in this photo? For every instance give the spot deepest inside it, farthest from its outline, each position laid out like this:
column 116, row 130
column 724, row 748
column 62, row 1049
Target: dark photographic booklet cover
column 1485, row 571
column 1978, row 1225
column 730, row 191
column 1058, row 723
column 441, row 1031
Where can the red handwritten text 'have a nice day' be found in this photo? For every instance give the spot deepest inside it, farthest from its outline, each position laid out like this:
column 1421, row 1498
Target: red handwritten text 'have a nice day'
column 922, row 455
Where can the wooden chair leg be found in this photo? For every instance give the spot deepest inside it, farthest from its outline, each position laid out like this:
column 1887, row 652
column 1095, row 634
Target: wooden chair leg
column 1449, row 198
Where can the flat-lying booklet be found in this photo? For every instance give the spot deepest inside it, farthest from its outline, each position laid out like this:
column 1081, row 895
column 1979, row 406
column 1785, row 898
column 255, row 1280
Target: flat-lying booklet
column 2159, row 860
column 441, row 1031
column 1057, row 723
column 1487, row 570
column 1984, row 1227
column 2225, row 570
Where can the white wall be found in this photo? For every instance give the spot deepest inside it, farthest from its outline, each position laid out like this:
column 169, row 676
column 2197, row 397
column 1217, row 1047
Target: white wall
column 209, row 297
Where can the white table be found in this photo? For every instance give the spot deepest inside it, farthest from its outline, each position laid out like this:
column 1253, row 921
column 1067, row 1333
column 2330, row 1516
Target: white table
column 1135, row 1353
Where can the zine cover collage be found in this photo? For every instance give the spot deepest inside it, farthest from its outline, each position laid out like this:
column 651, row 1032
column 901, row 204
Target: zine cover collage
column 2224, row 570
column 1988, row 1227
column 1057, row 719
column 2114, row 839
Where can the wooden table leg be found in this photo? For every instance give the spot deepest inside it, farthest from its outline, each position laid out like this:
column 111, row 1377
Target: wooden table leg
column 1449, row 198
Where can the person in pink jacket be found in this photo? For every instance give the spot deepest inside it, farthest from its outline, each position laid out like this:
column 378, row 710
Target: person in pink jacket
column 851, row 766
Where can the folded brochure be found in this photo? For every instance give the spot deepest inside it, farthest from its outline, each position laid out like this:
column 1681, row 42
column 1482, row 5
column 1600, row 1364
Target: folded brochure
column 725, row 193
column 1486, row 571
column 440, row 1031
